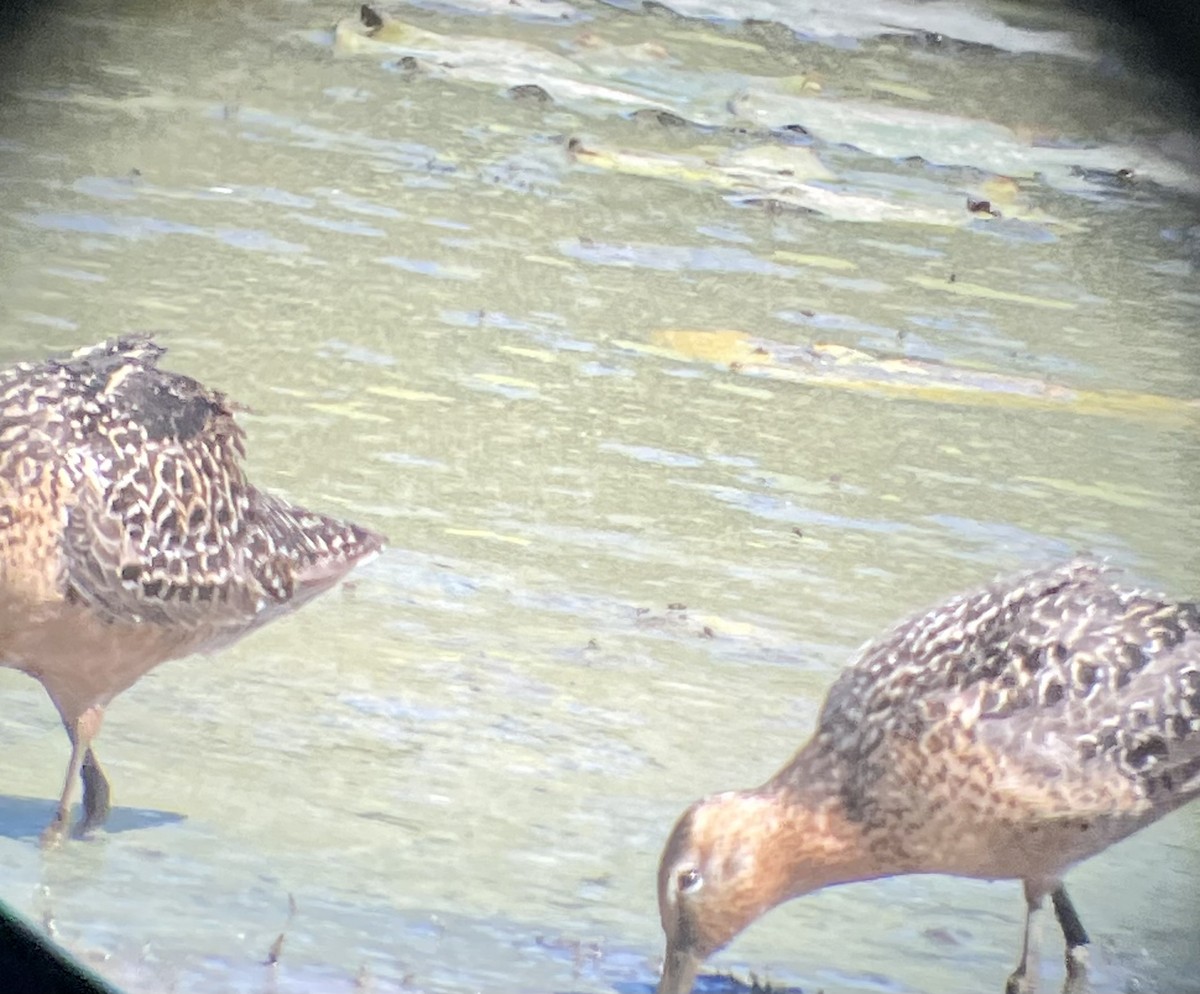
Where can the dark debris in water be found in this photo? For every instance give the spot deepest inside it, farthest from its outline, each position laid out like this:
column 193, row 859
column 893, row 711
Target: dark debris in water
column 406, row 65
column 276, row 949
column 530, row 92
column 943, row 937
column 581, row 952
column 772, row 205
column 656, row 9
column 727, row 983
column 933, row 42
column 1120, row 179
column 770, row 33
column 722, row 983
column 657, row 117
column 369, row 17
column 982, row 207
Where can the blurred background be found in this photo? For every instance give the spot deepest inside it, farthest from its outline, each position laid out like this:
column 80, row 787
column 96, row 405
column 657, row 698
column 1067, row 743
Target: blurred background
column 678, row 349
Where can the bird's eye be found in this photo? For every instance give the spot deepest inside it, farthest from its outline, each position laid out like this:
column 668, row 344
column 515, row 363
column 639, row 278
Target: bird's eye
column 689, row 880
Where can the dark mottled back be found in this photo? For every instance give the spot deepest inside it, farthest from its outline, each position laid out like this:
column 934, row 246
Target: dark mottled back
column 168, row 406
column 1058, row 655
column 161, row 524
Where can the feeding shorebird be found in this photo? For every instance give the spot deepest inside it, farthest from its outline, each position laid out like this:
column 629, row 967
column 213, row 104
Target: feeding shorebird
column 129, row 535
column 1007, row 733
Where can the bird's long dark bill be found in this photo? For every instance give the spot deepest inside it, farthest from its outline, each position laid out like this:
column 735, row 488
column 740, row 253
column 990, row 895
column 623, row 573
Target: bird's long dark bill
column 679, row 972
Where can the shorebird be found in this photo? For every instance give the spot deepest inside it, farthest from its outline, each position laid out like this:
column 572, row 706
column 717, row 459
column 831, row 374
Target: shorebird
column 1007, row 733
column 129, row 535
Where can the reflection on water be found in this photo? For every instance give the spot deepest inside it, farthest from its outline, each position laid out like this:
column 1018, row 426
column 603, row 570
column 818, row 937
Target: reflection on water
column 632, row 543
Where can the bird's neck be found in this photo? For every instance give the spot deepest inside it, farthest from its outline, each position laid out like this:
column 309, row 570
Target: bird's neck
column 815, row 843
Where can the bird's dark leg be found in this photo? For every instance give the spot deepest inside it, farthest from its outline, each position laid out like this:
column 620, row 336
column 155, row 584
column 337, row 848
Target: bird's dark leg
column 1077, row 941
column 96, row 795
column 1068, row 918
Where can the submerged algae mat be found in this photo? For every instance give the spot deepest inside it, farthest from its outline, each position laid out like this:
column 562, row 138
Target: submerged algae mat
column 790, row 140
column 843, row 368
column 779, row 176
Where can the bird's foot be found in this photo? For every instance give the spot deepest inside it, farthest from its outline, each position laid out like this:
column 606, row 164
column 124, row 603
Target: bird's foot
column 1077, row 972
column 1019, row 982
column 54, row 833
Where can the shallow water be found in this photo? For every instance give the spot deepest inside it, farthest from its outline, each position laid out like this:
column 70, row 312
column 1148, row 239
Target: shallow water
column 626, row 560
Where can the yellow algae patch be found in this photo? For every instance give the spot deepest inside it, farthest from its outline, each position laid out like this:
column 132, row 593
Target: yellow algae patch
column 1133, row 403
column 723, row 346
column 962, row 385
column 349, row 410
column 840, row 367
column 541, row 355
column 899, row 89
column 818, row 261
column 961, row 288
column 350, row 34
column 799, row 84
column 1000, row 190
column 776, row 174
column 768, row 163
column 714, row 40
column 688, row 169
column 727, row 626
column 485, row 533
column 400, row 393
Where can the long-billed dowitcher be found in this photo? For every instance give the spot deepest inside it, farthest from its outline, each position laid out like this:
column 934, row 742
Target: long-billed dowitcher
column 1005, row 734
column 129, row 535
